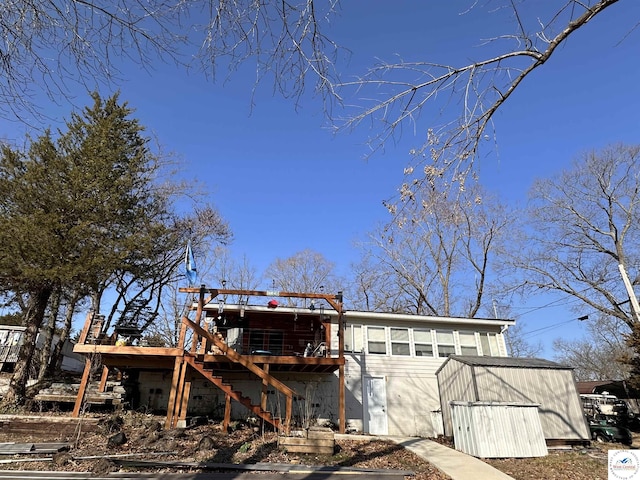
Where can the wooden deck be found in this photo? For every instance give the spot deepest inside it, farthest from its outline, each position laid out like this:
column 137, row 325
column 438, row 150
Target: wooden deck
column 209, row 356
column 292, row 364
column 160, row 357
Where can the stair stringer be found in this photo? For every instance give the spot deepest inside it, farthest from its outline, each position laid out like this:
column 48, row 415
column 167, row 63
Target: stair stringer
column 236, row 357
column 235, row 394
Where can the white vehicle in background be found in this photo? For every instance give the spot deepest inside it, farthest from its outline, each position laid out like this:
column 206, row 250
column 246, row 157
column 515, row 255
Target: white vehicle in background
column 604, row 404
column 609, row 418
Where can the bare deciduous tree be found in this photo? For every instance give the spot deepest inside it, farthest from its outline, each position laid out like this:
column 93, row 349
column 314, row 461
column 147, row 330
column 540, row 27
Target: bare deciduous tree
column 306, row 271
column 598, row 356
column 438, row 261
column 286, row 40
column 480, row 88
column 93, row 40
column 584, row 225
column 517, row 343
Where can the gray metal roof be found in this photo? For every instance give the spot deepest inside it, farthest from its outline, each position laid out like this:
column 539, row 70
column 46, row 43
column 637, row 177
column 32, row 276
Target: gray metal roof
column 508, row 362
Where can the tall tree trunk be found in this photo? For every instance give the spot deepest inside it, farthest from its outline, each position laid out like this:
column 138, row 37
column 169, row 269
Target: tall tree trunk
column 55, row 365
column 34, row 315
column 49, row 332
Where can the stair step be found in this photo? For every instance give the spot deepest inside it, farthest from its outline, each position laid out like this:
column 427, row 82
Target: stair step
column 197, row 362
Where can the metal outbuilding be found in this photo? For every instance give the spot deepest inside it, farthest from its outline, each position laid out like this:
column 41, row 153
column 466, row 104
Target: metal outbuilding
column 494, row 429
column 517, row 380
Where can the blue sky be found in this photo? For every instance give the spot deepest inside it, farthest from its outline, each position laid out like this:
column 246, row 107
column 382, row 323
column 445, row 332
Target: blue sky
column 286, row 183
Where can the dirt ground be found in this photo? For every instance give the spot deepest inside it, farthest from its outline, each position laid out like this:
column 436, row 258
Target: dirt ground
column 205, row 443
column 144, row 436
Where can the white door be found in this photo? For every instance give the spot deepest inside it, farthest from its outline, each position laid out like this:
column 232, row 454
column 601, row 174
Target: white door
column 375, row 403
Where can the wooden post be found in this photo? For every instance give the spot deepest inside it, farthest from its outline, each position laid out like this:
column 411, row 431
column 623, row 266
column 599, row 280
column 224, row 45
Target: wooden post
column 263, row 393
column 194, row 344
column 180, row 395
column 103, row 379
column 85, row 330
column 172, row 396
column 227, row 413
column 83, row 388
column 341, row 401
column 183, row 334
column 327, row 337
column 185, row 396
column 287, row 418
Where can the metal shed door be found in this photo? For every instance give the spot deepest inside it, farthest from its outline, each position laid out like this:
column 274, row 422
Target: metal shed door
column 375, row 406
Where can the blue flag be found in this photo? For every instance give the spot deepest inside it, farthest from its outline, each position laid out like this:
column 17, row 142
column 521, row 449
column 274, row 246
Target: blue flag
column 190, row 265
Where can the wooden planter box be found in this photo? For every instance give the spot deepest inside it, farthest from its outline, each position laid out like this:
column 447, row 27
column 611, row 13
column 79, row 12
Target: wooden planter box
column 314, row 440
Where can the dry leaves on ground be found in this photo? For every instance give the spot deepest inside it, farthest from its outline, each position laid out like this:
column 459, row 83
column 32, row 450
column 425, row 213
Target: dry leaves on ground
column 207, row 443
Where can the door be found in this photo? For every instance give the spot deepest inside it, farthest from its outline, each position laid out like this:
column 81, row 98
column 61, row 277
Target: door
column 375, row 406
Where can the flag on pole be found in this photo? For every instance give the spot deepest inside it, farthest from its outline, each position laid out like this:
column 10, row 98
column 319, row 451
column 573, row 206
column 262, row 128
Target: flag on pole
column 190, row 265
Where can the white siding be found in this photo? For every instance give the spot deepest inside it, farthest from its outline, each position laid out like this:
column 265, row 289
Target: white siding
column 455, row 382
column 498, row 430
column 412, row 392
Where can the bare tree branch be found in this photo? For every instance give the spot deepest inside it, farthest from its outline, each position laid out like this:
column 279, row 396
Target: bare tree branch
column 50, row 48
column 481, row 88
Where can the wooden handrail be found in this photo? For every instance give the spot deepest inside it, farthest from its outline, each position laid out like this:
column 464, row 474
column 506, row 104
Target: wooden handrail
column 241, row 359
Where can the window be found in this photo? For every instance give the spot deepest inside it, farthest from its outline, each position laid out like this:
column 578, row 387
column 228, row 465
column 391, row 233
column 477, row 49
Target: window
column 353, row 338
column 489, row 343
column 400, row 341
column 445, row 342
column 376, row 341
column 468, row 344
column 423, row 343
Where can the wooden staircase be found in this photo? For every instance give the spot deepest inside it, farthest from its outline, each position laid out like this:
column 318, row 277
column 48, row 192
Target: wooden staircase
column 195, row 360
column 236, row 395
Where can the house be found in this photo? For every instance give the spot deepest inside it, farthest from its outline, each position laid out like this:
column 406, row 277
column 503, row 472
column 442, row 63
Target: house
column 11, row 337
column 300, row 357
column 10, row 342
column 523, row 381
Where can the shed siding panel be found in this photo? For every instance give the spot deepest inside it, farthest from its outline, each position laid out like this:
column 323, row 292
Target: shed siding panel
column 455, row 382
column 493, row 430
column 560, row 411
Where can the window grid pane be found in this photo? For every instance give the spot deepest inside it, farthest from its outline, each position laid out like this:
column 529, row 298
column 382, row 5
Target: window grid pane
column 400, row 349
column 376, row 340
column 423, row 343
column 400, row 334
column 446, row 345
column 400, row 341
column 444, row 337
column 484, row 341
column 424, row 350
column 348, row 339
column 493, row 341
column 468, row 344
column 467, row 338
column 422, row 336
column 446, row 350
column 357, row 338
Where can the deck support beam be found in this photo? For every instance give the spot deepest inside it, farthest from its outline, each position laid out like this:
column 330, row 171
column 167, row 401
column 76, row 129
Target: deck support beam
column 83, row 388
column 103, row 379
column 227, row 413
column 175, row 380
